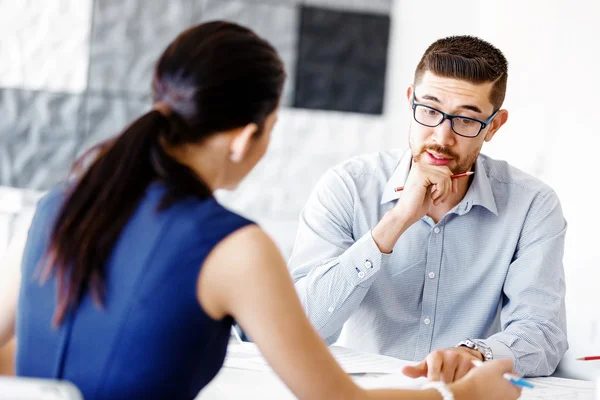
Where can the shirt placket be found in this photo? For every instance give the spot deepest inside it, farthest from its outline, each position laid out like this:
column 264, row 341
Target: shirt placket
column 430, row 291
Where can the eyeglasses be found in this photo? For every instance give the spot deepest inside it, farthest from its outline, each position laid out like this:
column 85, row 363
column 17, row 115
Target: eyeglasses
column 462, row 126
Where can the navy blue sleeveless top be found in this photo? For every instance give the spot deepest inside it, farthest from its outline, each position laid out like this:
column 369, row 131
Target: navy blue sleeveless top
column 151, row 339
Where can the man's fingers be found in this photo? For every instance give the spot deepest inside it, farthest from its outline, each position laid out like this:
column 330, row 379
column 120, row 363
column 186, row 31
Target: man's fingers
column 447, row 191
column 434, row 365
column 442, row 189
column 463, row 367
column 415, row 371
column 449, row 366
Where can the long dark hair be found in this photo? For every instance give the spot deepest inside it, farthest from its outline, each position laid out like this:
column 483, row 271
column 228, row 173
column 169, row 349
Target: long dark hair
column 214, row 77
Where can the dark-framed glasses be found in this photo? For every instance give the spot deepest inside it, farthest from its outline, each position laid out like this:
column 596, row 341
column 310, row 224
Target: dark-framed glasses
column 461, row 125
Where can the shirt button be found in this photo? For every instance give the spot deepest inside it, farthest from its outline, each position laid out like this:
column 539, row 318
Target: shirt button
column 436, row 230
column 431, row 275
column 426, row 321
column 361, row 274
column 368, row 264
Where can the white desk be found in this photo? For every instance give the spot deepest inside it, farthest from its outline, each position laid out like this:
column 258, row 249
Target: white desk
column 236, row 383
column 233, row 383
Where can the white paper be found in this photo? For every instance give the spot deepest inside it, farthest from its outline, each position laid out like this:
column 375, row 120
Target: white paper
column 245, row 356
column 558, row 389
column 248, row 356
column 355, row 362
column 390, row 381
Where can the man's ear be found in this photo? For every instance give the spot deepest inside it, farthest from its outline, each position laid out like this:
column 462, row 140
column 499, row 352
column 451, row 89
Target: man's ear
column 409, row 95
column 241, row 142
column 499, row 120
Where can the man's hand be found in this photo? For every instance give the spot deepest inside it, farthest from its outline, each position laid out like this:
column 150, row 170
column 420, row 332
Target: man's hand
column 446, row 365
column 425, row 186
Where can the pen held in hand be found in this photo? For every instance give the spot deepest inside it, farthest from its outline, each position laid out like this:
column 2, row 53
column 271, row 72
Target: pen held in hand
column 515, row 380
column 468, row 173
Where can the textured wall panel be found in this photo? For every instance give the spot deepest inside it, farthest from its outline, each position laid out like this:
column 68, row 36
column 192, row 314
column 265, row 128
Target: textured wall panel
column 276, row 23
column 342, row 61
column 106, row 116
column 44, row 44
column 38, row 134
column 41, row 133
column 128, row 37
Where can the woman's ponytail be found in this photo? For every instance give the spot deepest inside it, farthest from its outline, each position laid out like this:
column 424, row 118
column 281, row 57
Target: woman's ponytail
column 98, row 206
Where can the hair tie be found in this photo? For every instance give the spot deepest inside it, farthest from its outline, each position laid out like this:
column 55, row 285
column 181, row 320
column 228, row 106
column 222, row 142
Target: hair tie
column 164, row 108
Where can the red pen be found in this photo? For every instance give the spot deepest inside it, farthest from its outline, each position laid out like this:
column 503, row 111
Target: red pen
column 589, row 358
column 468, row 173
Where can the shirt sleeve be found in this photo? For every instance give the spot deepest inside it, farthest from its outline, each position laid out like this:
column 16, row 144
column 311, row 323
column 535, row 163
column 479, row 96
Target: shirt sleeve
column 533, row 314
column 332, row 270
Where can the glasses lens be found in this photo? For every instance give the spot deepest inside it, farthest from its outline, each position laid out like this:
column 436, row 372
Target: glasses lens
column 427, row 116
column 466, row 127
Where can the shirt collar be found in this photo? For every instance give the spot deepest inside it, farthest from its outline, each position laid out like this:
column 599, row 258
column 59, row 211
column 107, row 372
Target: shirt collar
column 398, row 178
column 479, row 193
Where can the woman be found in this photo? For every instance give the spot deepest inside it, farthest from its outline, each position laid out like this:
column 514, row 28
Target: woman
column 148, row 271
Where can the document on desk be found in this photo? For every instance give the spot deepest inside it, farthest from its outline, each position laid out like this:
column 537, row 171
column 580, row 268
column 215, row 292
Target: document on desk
column 248, row 356
column 390, row 381
column 356, row 362
column 558, row 389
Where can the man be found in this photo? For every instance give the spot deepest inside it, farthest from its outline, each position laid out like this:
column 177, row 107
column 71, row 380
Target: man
column 466, row 268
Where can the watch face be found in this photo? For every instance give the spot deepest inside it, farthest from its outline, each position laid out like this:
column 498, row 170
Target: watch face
column 469, row 344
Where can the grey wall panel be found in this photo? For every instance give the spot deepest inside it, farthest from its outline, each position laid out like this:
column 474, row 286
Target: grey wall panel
column 106, row 116
column 278, row 23
column 42, row 132
column 38, row 136
column 129, row 36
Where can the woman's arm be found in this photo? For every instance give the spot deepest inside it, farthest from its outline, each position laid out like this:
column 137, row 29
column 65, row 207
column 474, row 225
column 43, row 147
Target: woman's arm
column 7, row 357
column 246, row 277
column 10, row 282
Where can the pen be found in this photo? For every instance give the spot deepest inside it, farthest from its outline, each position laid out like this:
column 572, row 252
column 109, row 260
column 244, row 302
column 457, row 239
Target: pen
column 589, row 358
column 515, row 380
column 468, row 173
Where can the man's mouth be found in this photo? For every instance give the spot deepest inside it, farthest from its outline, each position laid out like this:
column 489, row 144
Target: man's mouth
column 438, row 156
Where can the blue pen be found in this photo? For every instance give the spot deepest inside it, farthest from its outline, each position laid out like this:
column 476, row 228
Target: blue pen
column 515, row 380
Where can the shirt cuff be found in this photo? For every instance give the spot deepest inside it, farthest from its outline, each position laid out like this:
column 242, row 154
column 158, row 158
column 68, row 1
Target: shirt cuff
column 362, row 261
column 499, row 349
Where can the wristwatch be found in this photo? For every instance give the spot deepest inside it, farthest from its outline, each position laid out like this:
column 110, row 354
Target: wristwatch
column 481, row 347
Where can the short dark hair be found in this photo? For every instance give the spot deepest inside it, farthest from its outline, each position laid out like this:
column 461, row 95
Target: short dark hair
column 467, row 58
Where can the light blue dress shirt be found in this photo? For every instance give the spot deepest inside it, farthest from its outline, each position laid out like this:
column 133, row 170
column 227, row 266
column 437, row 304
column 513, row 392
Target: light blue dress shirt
column 490, row 270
